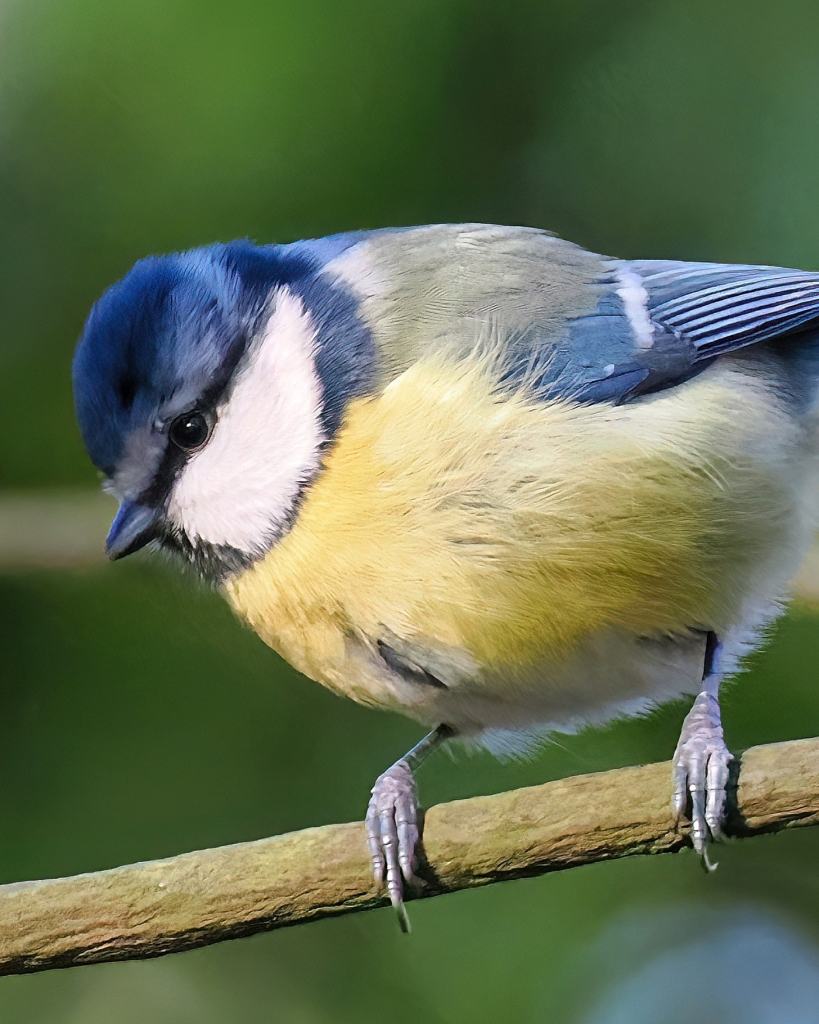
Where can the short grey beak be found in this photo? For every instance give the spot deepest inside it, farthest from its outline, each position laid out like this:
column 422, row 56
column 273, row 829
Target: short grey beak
column 133, row 527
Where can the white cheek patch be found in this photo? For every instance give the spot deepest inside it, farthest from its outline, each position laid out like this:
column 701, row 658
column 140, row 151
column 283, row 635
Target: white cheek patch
column 635, row 302
column 240, row 489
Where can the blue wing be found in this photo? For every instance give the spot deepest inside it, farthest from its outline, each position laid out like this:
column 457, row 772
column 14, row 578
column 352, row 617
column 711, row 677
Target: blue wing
column 573, row 323
column 695, row 312
column 721, row 308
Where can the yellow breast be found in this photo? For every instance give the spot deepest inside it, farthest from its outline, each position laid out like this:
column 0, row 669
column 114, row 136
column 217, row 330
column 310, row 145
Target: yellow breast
column 454, row 515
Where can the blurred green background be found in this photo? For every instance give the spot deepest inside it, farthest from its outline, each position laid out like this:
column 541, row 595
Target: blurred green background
column 138, row 719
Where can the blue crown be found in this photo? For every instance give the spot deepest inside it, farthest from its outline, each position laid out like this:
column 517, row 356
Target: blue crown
column 181, row 323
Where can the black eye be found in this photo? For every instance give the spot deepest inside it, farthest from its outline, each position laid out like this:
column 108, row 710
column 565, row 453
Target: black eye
column 189, row 431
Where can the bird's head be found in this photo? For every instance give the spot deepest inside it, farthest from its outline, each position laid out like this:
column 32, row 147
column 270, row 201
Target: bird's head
column 207, row 386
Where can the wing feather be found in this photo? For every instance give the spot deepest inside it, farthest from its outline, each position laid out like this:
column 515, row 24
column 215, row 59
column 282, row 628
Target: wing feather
column 722, row 308
column 569, row 323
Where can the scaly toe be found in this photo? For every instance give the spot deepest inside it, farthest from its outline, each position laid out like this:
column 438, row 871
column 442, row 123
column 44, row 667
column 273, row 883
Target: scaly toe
column 700, row 776
column 392, row 833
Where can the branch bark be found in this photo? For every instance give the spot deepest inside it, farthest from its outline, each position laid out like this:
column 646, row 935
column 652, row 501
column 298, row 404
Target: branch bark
column 165, row 906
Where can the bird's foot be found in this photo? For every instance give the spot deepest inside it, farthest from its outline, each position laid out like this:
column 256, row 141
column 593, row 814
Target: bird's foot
column 701, row 773
column 392, row 832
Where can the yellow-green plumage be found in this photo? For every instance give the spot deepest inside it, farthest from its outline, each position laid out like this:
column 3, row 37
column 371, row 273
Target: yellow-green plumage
column 494, row 537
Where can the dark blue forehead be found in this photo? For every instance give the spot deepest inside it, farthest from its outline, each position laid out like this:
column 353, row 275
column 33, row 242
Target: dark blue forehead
column 179, row 324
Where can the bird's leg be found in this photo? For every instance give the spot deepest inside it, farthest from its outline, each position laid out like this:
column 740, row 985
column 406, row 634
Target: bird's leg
column 701, row 759
column 392, row 821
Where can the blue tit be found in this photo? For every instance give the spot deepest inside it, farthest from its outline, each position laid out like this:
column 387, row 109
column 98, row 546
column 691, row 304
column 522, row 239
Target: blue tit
column 471, row 473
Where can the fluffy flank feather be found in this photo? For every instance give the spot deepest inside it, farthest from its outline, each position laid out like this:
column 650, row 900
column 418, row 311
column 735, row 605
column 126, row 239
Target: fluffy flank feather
column 456, row 514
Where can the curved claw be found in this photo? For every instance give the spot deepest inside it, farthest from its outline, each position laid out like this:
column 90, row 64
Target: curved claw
column 701, row 772
column 392, row 833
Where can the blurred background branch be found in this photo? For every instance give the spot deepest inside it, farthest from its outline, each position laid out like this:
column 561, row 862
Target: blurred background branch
column 158, row 907
column 53, row 528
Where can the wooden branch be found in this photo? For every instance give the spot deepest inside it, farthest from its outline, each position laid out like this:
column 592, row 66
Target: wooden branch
column 157, row 907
